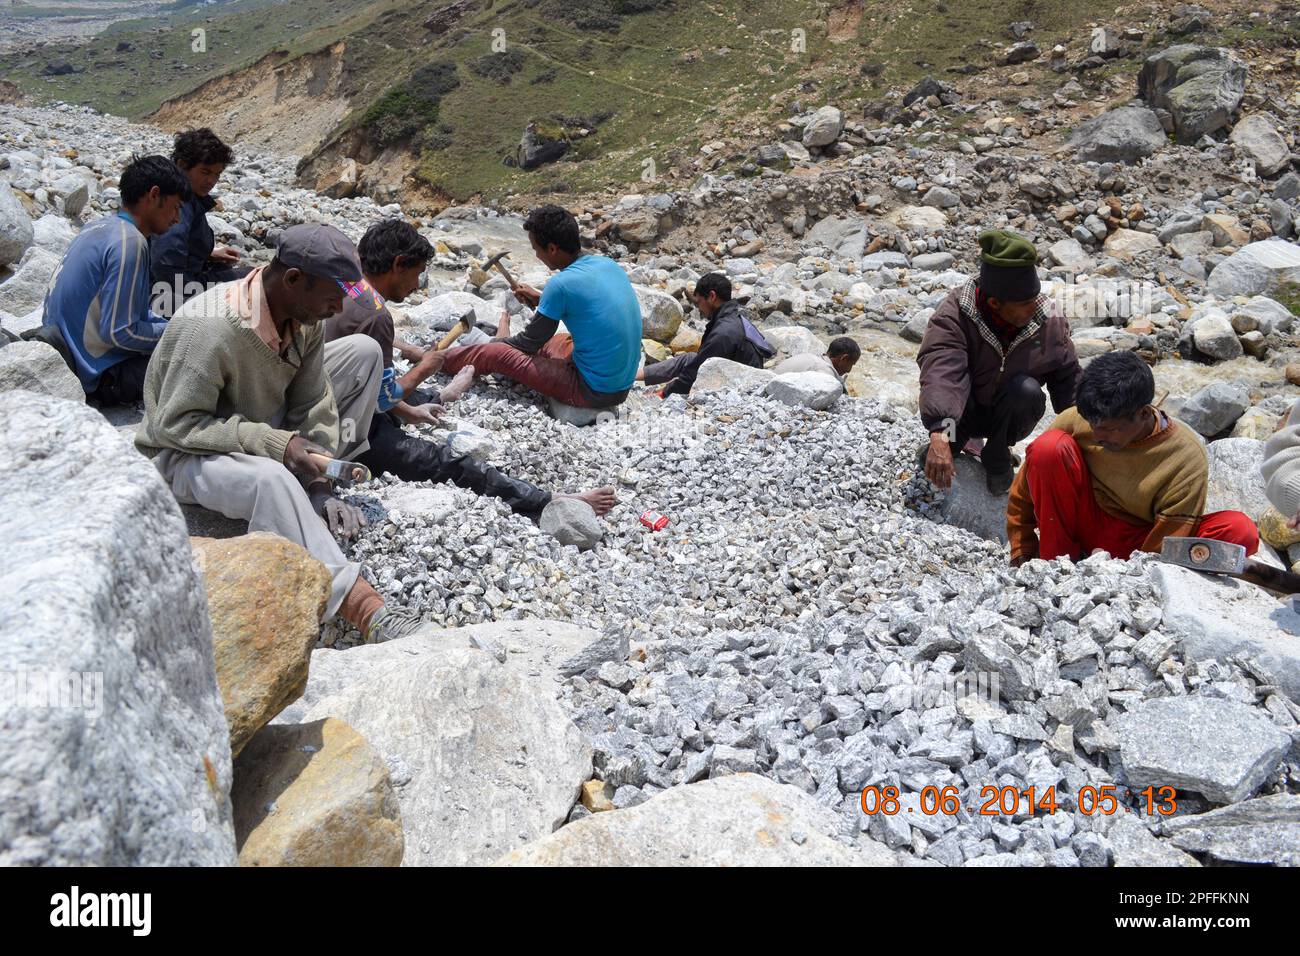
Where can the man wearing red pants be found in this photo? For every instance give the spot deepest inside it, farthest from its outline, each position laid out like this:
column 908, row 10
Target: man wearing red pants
column 1115, row 474
column 593, row 366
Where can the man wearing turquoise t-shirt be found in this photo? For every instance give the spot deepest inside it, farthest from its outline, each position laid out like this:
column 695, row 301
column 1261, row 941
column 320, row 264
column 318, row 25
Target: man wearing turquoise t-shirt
column 595, row 365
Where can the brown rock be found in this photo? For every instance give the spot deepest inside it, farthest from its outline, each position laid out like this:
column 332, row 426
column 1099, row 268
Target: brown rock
column 1273, row 529
column 597, row 796
column 1293, row 372
column 314, row 794
column 266, row 596
column 1225, row 229
column 1141, row 326
column 686, row 340
column 1066, row 213
column 1136, row 213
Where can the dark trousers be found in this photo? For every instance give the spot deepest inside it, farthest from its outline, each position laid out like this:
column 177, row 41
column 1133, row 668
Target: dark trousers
column 122, row 384
column 415, row 459
column 1016, row 409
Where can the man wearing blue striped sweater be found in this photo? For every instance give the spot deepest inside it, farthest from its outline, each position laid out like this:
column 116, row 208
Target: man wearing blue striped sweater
column 98, row 303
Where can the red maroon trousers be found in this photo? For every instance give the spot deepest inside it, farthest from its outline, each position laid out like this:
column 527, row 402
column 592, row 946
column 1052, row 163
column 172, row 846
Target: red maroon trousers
column 1072, row 523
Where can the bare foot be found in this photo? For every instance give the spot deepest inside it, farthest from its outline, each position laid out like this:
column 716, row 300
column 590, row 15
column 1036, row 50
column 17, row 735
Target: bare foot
column 458, row 385
column 600, row 499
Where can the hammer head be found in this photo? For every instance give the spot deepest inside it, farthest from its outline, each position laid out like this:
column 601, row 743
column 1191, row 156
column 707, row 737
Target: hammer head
column 494, row 260
column 469, row 319
column 1204, row 554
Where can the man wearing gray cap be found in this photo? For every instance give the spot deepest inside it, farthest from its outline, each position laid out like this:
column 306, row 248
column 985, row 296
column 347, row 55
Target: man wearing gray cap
column 243, row 391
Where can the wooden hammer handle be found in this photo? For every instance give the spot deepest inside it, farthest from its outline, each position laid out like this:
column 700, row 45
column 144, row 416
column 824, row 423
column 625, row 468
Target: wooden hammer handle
column 457, row 330
column 1275, row 579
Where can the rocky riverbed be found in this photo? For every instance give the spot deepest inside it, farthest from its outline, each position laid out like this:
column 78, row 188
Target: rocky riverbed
column 814, row 621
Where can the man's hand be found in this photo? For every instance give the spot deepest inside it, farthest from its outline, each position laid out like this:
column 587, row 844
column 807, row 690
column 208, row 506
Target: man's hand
column 343, row 519
column 422, row 414
column 1294, row 522
column 410, row 353
column 430, row 363
column 297, row 457
column 938, row 463
column 226, row 255
column 527, row 295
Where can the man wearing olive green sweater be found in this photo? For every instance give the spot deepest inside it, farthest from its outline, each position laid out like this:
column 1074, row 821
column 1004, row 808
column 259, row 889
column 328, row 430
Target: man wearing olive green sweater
column 242, row 391
column 1115, row 474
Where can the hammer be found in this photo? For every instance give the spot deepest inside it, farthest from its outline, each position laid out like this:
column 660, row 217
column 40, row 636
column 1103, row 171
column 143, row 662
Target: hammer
column 341, row 472
column 463, row 325
column 495, row 261
column 1222, row 557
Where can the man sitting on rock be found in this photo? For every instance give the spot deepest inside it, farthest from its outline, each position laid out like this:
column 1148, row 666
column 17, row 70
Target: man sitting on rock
column 987, row 352
column 243, row 391
column 1115, row 474
column 595, row 365
column 185, row 260
column 393, row 255
column 728, row 335
column 97, row 310
column 841, row 355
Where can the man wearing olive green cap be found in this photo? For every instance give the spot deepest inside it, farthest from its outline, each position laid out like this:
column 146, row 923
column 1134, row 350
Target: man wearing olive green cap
column 988, row 351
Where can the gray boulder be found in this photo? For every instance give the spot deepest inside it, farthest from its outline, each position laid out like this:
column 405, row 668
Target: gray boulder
column 1122, row 135
column 571, row 521
column 722, row 375
column 843, row 235
column 538, row 147
column 479, row 753
column 16, row 232
column 933, row 261
column 1269, row 314
column 824, row 127
column 36, row 367
column 1200, row 86
column 968, row 504
column 661, row 314
column 813, row 390
column 1215, row 336
column 1265, row 830
column 115, row 749
column 25, row 289
column 1217, row 617
column 53, row 233
column 1256, row 269
column 736, row 820
column 1214, row 408
column 1257, row 137
column 1218, row 748
column 1070, row 254
column 1236, row 482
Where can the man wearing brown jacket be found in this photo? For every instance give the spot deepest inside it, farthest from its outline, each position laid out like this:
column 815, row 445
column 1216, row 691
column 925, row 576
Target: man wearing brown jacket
column 987, row 353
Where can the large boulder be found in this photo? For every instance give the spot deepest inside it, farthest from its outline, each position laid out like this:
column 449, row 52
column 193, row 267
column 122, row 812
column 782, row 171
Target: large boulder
column 314, row 795
column 968, row 504
column 1257, row 137
column 791, row 340
column 571, row 521
column 116, row 750
column 661, row 314
column 1200, row 86
column 1256, row 269
column 815, row 390
column 25, row 289
column 1127, row 243
column 1214, row 408
column 540, row 144
column 1236, row 482
column 1268, row 314
column 480, row 754
column 919, row 220
column 737, row 820
column 261, row 637
column 722, row 375
column 36, row 367
column 843, row 235
column 1122, row 135
column 15, row 227
column 1217, row 617
column 1265, row 830
column 441, row 312
column 824, row 127
column 1218, row 748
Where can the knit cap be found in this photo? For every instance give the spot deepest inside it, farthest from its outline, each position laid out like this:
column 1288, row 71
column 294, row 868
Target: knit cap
column 1007, row 263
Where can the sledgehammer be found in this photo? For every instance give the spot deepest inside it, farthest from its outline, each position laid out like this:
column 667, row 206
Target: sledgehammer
column 1223, row 557
column 466, row 322
column 341, row 472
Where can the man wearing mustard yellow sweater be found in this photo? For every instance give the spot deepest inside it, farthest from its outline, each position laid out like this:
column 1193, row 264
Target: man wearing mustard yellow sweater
column 1115, row 474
